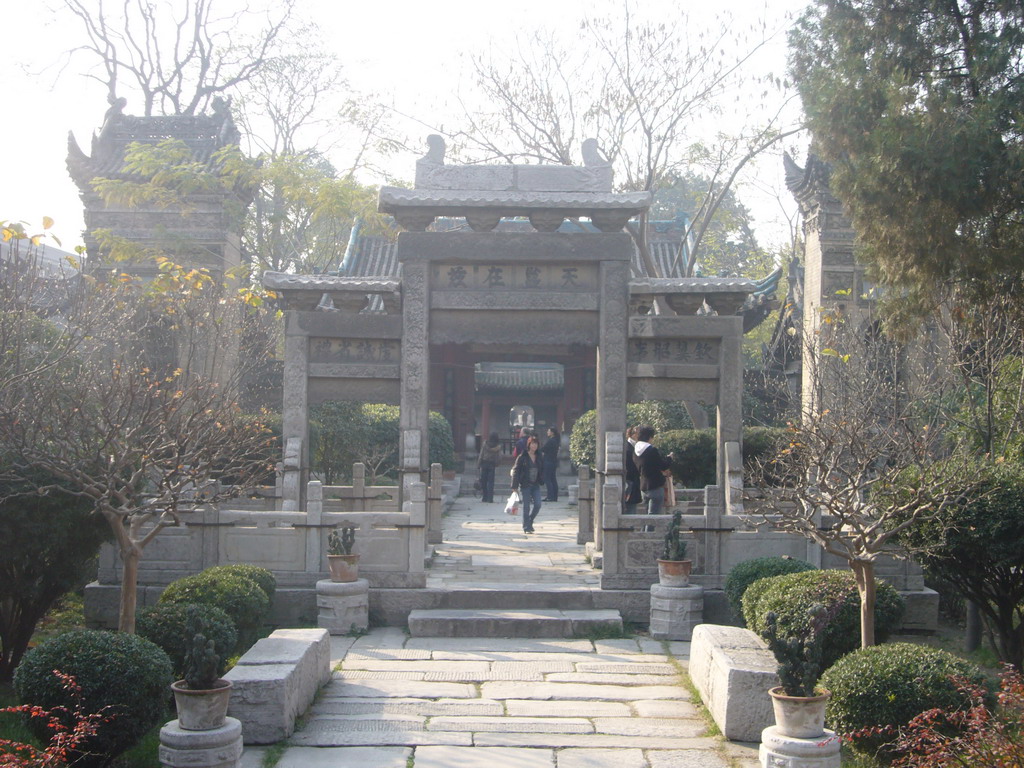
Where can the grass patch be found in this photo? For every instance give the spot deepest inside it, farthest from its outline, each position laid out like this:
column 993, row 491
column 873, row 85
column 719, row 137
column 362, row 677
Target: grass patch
column 687, row 683
column 11, row 725
column 602, row 632
column 272, row 755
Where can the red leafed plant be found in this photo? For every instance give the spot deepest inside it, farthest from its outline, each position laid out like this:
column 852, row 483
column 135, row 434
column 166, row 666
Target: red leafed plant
column 65, row 740
column 977, row 736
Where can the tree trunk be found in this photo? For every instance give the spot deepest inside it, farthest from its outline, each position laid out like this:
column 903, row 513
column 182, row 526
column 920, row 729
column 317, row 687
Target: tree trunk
column 864, row 575
column 130, row 556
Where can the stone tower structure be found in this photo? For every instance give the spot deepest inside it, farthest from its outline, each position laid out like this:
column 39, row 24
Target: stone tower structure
column 203, row 232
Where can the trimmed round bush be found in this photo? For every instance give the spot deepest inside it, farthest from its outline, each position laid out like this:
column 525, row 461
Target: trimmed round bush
column 264, row 579
column 889, row 685
column 166, row 626
column 127, row 674
column 746, row 573
column 792, row 595
column 239, row 597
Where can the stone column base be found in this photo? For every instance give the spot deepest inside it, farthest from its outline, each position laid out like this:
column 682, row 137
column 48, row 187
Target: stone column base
column 219, row 748
column 675, row 611
column 778, row 751
column 344, row 605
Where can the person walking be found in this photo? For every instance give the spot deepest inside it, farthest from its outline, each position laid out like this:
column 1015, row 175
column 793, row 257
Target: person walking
column 652, row 466
column 527, row 474
column 490, row 452
column 631, row 496
column 550, row 453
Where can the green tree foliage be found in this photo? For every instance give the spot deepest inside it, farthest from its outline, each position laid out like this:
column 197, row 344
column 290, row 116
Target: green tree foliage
column 343, row 433
column 917, row 106
column 978, row 547
column 49, row 543
column 729, row 246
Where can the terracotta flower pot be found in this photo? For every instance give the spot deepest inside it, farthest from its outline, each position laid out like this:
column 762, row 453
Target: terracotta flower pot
column 343, row 567
column 674, row 573
column 202, row 710
column 800, row 717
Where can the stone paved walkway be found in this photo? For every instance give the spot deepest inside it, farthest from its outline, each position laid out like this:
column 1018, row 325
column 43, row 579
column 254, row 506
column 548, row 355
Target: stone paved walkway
column 403, row 702
column 398, row 702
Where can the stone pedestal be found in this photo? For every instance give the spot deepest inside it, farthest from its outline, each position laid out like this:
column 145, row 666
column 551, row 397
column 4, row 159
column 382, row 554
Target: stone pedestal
column 219, row 748
column 343, row 605
column 675, row 611
column 778, row 751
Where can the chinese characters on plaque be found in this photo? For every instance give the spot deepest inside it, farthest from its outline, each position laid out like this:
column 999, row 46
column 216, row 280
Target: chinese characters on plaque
column 699, row 351
column 354, row 350
column 511, row 277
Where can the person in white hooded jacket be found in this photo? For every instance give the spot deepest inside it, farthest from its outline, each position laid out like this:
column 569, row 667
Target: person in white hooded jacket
column 652, row 466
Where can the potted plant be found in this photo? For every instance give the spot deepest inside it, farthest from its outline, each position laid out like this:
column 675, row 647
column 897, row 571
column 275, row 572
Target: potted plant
column 673, row 567
column 344, row 566
column 798, row 703
column 202, row 697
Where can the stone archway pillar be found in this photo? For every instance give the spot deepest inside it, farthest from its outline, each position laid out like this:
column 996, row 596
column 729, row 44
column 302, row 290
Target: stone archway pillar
column 611, row 390
column 294, row 418
column 415, row 381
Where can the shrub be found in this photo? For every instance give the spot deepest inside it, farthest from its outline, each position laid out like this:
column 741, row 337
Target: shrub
column 980, row 735
column 125, row 673
column 746, row 573
column 664, row 416
column 695, row 450
column 264, row 579
column 239, row 597
column 49, row 544
column 877, row 689
column 792, row 595
column 165, row 625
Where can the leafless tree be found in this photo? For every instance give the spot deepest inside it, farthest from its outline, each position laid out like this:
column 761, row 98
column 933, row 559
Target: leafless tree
column 128, row 399
column 178, row 55
column 875, row 423
column 645, row 90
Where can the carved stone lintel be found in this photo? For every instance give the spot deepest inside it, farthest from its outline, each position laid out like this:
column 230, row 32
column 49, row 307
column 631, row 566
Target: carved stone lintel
column 483, row 221
column 546, row 221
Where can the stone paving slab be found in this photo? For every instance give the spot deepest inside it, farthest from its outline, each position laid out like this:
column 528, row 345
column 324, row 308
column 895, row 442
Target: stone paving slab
column 512, row 724
column 662, row 708
column 628, row 645
column 323, row 734
column 327, row 757
column 569, row 691
column 350, row 675
column 409, row 706
column 556, row 740
column 376, row 689
column 686, row 758
column 499, row 644
column 627, row 668
column 390, row 654
column 490, row 757
column 601, row 758
column 650, row 726
column 526, row 708
column 382, row 637
column 587, row 677
column 375, row 722
column 416, row 665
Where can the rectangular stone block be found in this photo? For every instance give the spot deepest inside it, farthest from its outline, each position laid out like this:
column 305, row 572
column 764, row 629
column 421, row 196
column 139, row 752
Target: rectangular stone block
column 732, row 670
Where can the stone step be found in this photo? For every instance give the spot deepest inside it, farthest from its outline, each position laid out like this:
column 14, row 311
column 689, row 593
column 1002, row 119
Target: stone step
column 523, row 597
column 511, row 623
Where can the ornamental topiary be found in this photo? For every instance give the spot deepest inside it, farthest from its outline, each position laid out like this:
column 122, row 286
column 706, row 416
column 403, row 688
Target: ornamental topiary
column 882, row 688
column 791, row 596
column 746, row 573
column 239, row 597
column 166, row 625
column 126, row 674
column 264, row 579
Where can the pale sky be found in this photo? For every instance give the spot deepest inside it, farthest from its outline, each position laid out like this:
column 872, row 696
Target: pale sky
column 409, row 52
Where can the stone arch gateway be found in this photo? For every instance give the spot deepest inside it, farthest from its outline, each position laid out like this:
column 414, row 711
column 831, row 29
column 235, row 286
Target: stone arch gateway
column 544, row 292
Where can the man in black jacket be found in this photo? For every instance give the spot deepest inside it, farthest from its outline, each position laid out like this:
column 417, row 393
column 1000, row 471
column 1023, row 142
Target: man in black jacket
column 652, row 466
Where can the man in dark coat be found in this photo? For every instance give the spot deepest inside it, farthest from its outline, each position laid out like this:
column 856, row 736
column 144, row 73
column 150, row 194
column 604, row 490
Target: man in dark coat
column 652, row 466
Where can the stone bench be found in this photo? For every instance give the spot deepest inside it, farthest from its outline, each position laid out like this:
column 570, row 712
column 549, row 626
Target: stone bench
column 732, row 670
column 276, row 680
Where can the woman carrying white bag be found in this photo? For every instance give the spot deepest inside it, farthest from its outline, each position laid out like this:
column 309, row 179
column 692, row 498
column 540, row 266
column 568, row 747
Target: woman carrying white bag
column 512, row 505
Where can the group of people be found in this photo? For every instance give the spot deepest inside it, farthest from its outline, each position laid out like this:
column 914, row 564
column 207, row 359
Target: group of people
column 534, row 466
column 647, row 472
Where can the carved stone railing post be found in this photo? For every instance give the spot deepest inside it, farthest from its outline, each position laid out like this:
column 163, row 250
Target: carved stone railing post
column 585, row 506
column 358, row 487
column 415, row 507
column 314, row 534
column 434, row 509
